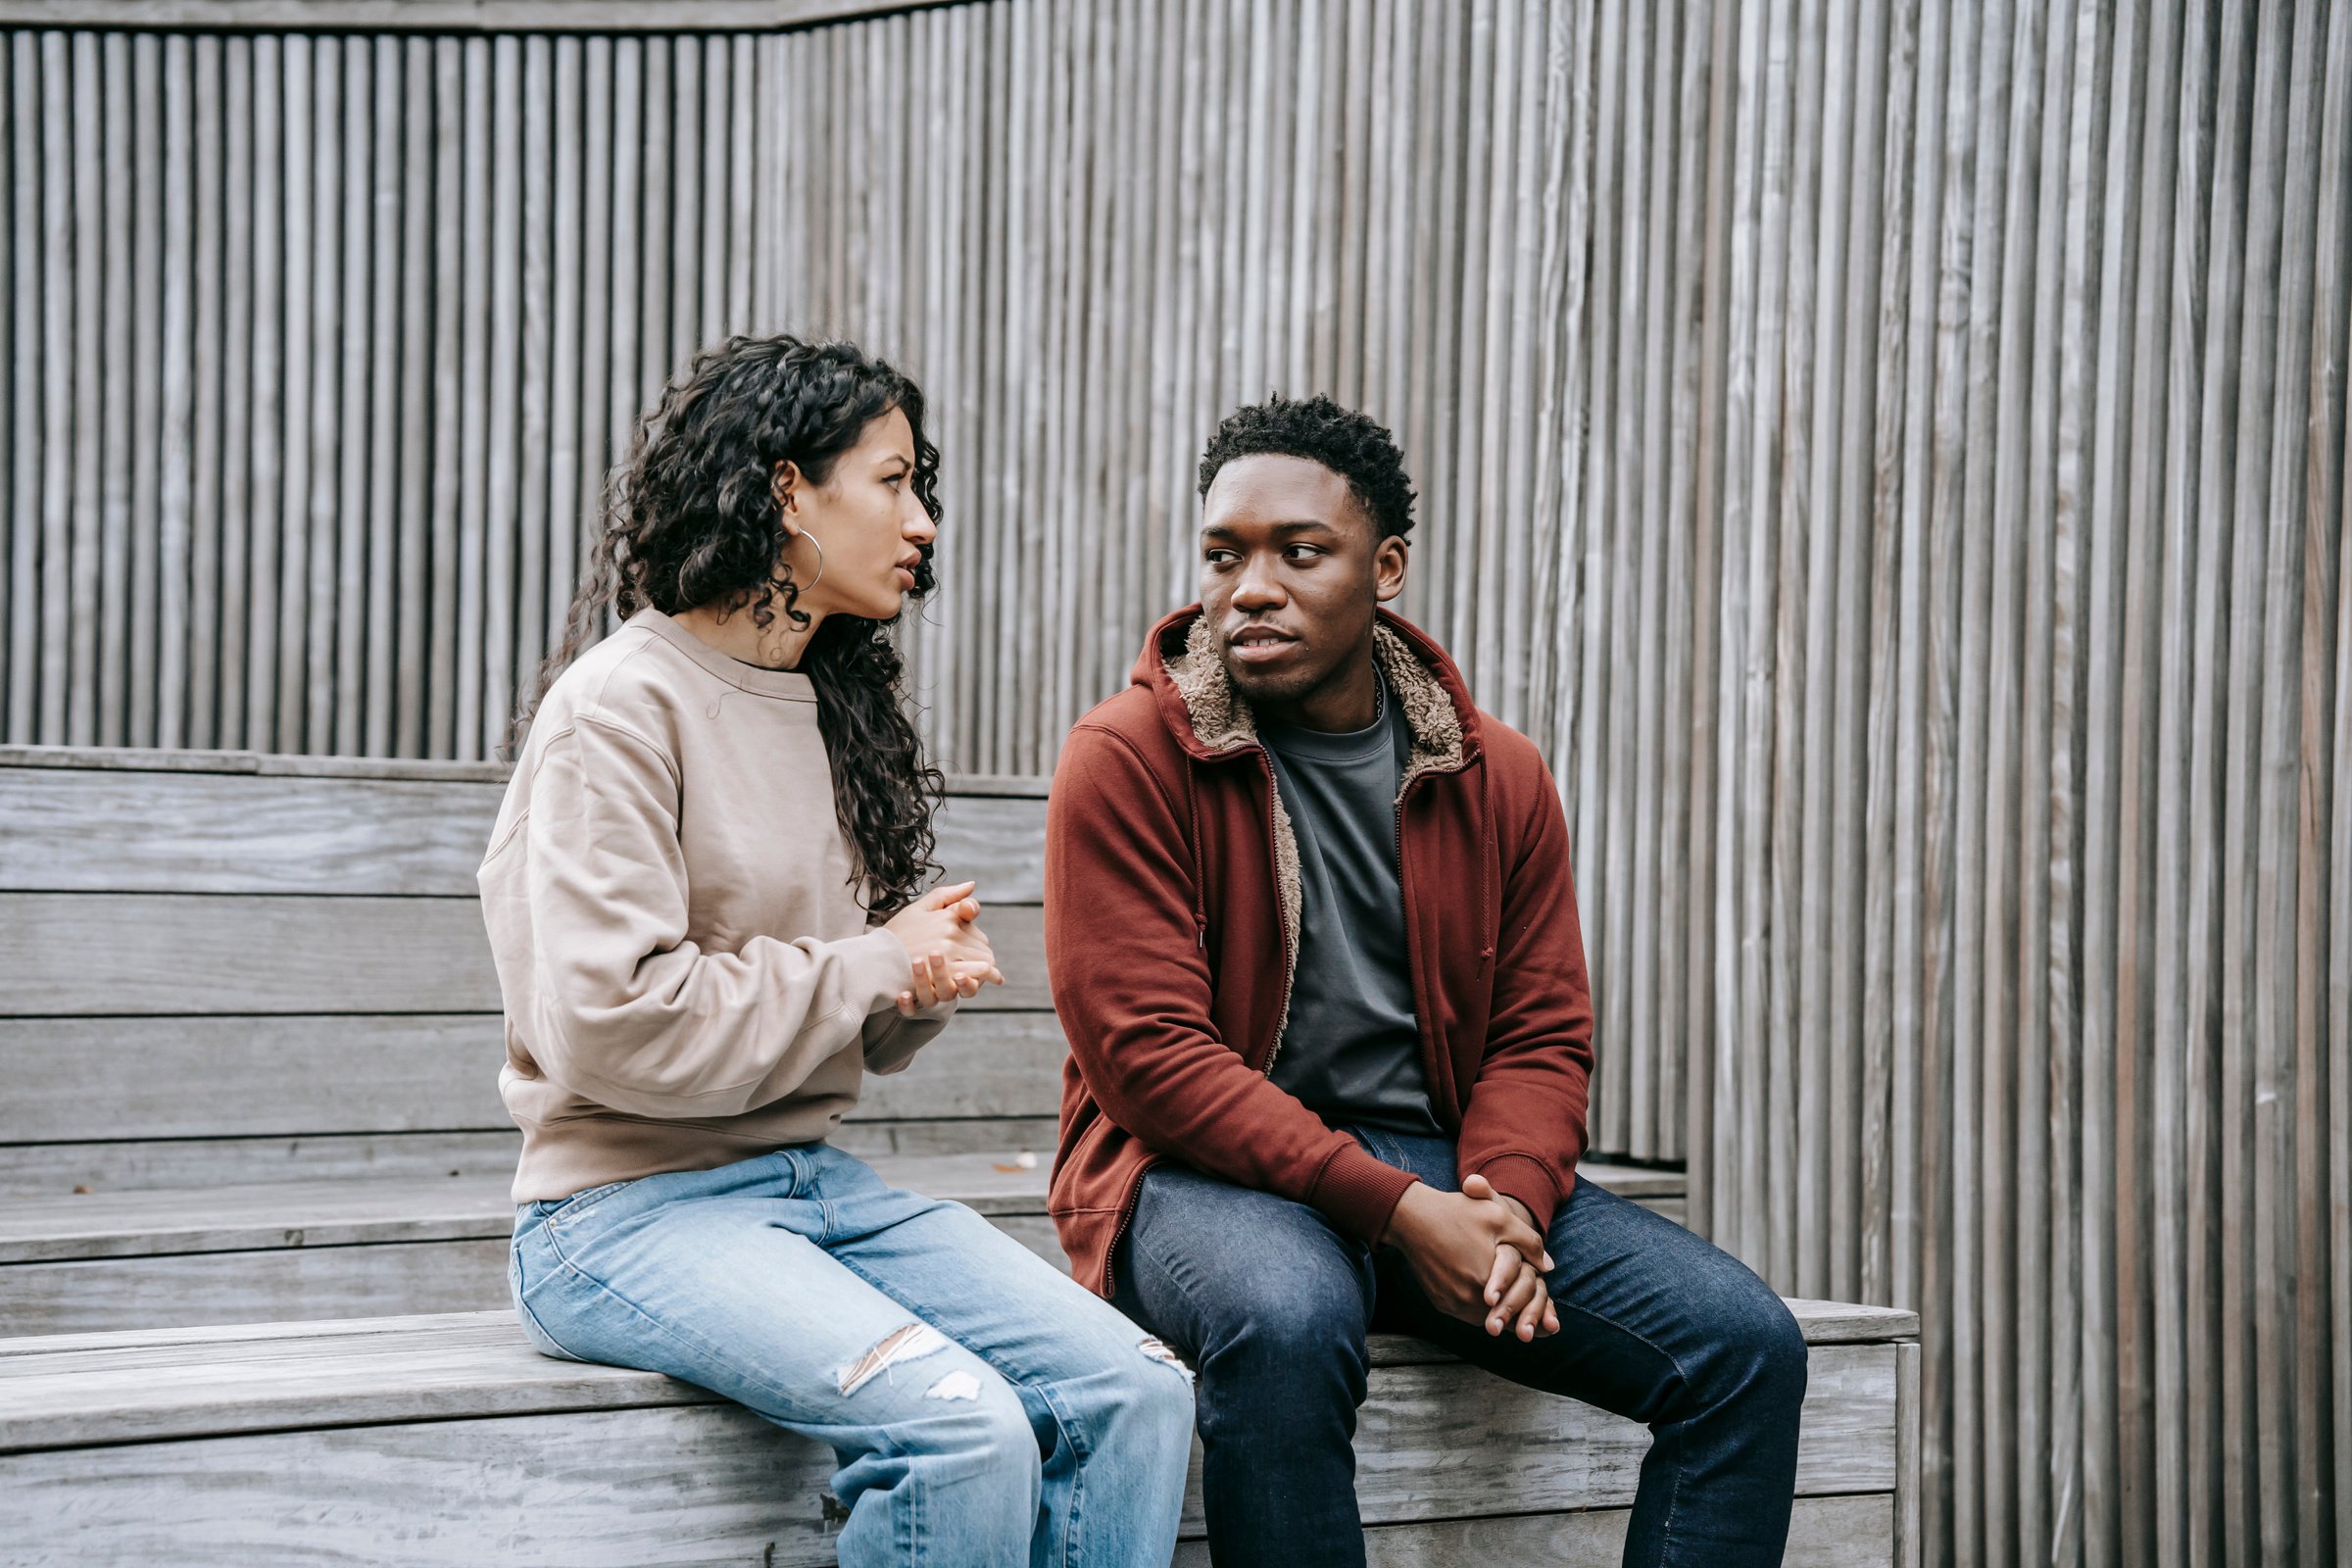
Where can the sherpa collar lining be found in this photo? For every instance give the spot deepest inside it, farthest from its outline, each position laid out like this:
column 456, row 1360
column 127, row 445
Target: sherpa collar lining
column 1222, row 721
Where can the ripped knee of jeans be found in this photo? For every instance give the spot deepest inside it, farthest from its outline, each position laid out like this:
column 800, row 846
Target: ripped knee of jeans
column 1158, row 1350
column 908, row 1344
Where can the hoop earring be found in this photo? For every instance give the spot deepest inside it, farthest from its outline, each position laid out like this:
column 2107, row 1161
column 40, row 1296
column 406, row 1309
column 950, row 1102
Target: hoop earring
column 821, row 561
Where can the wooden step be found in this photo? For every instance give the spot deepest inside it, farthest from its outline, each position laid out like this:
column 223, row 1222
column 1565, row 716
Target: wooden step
column 446, row 1440
column 302, row 1251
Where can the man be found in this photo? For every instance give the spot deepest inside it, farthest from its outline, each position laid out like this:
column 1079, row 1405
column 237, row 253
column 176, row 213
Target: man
column 1313, row 941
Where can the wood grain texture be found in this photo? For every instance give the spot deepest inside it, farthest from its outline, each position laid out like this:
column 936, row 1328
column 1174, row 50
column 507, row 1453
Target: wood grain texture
column 1888, row 456
column 752, row 1490
column 103, row 954
column 86, row 830
column 75, row 1390
column 244, row 1077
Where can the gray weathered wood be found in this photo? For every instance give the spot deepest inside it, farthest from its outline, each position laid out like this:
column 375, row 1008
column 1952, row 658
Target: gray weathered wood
column 88, row 1078
column 73, row 1391
column 753, row 1484
column 98, row 830
column 57, row 1169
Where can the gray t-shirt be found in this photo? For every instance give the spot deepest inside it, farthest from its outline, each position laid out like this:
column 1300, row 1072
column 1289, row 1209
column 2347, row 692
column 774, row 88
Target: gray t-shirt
column 1352, row 1051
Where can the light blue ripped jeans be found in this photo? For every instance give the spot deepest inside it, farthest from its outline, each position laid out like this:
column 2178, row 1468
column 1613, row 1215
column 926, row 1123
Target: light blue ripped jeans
column 985, row 1407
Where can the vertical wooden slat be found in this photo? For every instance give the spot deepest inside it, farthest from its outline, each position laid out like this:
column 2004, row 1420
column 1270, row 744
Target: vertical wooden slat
column 420, row 305
column 569, row 323
column 628, row 86
column 503, row 519
column 178, row 261
column 104, row 230
column 369, row 728
column 144, row 435
column 656, row 354
column 28, row 290
column 535, row 458
column 741, row 177
column 2042, row 1145
column 86, row 352
column 206, row 592
column 309, row 309
column 470, row 434
column 247, row 313
column 339, row 601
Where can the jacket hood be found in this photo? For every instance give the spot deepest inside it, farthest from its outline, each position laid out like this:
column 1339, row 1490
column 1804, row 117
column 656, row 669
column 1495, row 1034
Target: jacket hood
column 1196, row 701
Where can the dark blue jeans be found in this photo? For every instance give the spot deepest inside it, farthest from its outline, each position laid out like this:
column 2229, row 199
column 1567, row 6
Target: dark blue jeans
column 1271, row 1305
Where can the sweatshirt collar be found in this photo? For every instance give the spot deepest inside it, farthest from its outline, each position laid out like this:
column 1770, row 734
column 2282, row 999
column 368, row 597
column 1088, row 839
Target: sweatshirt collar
column 789, row 684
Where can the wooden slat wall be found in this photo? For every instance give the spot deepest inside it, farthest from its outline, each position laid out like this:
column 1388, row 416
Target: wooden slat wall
column 1890, row 455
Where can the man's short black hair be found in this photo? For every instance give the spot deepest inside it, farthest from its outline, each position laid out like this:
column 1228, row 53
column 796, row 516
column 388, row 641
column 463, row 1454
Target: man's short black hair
column 1351, row 445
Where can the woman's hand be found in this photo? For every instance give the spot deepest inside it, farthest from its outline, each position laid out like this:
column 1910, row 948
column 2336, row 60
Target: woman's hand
column 950, row 954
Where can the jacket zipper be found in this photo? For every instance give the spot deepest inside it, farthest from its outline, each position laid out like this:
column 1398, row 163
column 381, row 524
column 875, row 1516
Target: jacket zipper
column 1290, row 959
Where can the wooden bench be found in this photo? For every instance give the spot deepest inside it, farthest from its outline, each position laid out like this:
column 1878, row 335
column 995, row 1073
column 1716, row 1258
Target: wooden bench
column 251, row 1043
column 447, row 1440
column 253, row 1049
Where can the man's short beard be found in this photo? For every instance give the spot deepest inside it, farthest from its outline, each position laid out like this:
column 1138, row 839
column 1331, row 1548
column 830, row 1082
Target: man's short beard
column 1260, row 688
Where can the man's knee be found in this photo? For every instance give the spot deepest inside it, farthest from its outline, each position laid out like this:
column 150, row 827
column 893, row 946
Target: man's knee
column 1757, row 1356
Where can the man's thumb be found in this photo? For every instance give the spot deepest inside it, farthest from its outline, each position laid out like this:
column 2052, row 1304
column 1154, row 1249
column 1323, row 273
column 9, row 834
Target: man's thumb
column 1477, row 1187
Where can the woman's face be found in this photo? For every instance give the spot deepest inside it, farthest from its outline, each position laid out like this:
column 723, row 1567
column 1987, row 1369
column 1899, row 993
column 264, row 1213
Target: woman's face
column 866, row 518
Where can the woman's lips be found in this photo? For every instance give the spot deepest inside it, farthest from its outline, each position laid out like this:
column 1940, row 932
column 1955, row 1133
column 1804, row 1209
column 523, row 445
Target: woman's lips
column 906, row 579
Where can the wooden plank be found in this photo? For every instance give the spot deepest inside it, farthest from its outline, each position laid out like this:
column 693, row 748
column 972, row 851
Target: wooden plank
column 1855, row 1532
column 609, row 1488
column 78, row 1079
column 379, row 1210
column 280, row 1285
column 55, row 1169
column 77, row 1391
column 447, row 16
column 346, row 1215
column 97, row 830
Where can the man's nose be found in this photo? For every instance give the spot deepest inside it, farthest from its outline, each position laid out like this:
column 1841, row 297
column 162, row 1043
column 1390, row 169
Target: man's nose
column 1258, row 590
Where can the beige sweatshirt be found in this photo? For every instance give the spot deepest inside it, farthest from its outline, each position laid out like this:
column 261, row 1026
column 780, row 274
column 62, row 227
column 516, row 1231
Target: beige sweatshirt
column 688, row 975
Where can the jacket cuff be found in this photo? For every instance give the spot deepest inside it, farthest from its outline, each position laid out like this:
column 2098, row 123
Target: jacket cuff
column 1359, row 1192
column 1526, row 1178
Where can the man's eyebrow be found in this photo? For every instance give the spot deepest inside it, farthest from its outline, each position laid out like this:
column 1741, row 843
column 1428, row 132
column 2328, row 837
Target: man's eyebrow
column 1220, row 530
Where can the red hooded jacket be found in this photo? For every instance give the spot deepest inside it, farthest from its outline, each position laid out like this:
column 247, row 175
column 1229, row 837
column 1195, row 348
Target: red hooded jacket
column 1172, row 903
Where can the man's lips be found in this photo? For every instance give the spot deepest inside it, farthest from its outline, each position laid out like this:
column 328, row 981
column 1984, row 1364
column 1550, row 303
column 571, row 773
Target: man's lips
column 1258, row 643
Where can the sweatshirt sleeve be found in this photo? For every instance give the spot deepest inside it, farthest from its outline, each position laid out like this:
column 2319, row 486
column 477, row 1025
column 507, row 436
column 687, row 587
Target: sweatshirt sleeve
column 892, row 1037
column 1524, row 1128
column 623, row 1008
column 1133, row 989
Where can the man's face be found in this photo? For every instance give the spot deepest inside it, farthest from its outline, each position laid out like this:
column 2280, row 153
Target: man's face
column 1291, row 569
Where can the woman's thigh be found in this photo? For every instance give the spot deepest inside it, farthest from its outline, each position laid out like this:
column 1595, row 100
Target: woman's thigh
column 721, row 1279
column 1026, row 1318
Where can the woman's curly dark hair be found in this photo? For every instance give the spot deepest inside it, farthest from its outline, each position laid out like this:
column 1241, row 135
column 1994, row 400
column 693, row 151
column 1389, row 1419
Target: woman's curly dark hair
column 691, row 518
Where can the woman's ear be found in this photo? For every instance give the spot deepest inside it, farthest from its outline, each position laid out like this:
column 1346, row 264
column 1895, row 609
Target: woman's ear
column 783, row 482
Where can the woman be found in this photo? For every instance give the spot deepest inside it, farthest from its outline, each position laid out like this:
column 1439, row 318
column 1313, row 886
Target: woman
column 704, row 895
